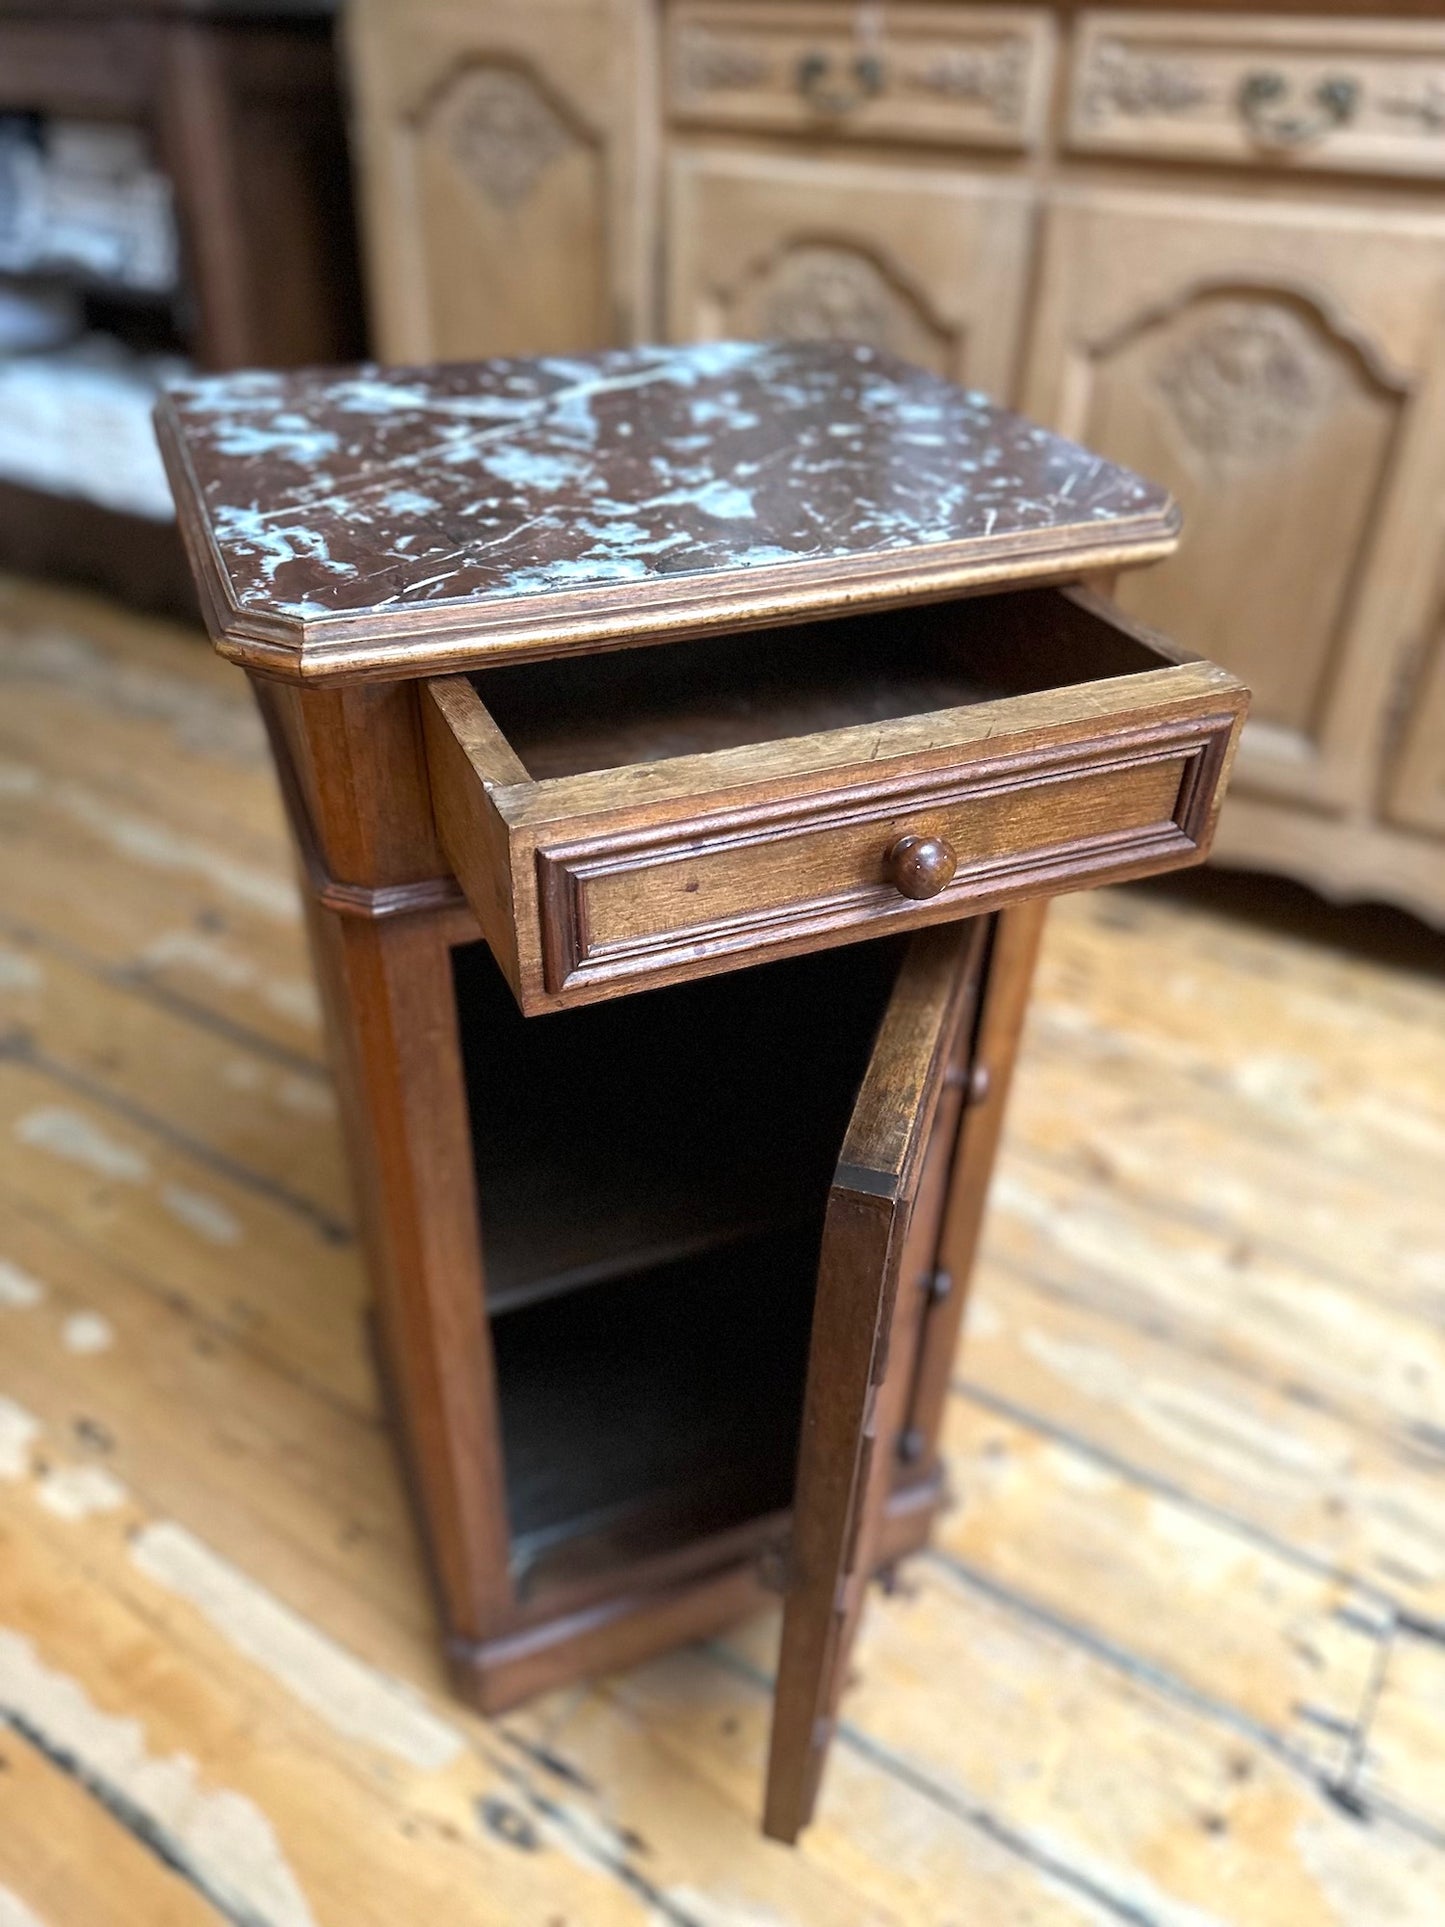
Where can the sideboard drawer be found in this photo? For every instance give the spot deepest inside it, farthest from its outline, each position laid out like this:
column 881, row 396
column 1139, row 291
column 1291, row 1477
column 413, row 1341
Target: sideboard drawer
column 621, row 821
column 957, row 75
column 1356, row 96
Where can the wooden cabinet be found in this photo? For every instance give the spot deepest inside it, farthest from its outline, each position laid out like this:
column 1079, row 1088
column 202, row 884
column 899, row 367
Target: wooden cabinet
column 1206, row 240
column 1283, row 369
column 932, row 269
column 671, row 1182
column 1417, row 793
column 500, row 153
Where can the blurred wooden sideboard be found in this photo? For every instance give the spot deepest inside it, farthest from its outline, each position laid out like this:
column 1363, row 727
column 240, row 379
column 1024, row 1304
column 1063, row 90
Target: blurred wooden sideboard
column 1208, row 241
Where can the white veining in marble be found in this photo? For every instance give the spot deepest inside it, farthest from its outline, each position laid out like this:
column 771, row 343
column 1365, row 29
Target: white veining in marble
column 372, row 490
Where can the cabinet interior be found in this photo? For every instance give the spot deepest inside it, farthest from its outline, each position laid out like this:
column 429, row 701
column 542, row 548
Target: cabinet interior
column 568, row 715
column 652, row 1176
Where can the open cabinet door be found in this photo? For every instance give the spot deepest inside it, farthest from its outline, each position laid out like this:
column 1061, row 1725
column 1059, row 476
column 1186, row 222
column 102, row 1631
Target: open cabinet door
column 844, row 1464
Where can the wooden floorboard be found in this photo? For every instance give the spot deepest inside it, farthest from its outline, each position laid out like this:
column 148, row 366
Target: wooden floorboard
column 1177, row 1658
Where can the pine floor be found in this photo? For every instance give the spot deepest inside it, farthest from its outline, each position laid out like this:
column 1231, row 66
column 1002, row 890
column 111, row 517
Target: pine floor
column 1178, row 1658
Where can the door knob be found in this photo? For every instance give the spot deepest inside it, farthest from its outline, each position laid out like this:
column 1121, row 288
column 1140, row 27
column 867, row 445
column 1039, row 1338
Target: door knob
column 921, row 866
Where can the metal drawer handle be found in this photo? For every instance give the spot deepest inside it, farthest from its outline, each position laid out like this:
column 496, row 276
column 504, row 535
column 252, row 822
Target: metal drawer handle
column 1334, row 102
column 921, row 866
column 814, row 70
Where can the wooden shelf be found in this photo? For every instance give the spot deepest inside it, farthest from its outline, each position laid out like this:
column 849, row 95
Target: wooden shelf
column 632, row 1136
column 639, row 1414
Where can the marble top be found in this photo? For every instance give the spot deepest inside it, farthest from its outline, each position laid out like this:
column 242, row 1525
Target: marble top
column 389, row 515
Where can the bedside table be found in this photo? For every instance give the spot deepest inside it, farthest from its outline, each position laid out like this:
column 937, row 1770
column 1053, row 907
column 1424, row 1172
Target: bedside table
column 682, row 746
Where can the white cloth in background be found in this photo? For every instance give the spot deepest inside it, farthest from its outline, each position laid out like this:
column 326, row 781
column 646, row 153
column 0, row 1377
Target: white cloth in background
column 77, row 421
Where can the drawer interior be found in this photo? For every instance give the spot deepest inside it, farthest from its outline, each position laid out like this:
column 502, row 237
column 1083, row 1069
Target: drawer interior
column 592, row 712
column 652, row 1176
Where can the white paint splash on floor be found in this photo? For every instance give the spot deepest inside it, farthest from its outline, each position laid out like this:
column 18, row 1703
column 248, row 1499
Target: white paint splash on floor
column 307, row 1096
column 19, row 972
column 984, row 1319
column 19, row 1430
column 18, row 1290
column 1397, row 1881
column 77, row 1491
column 722, row 1910
column 18, row 779
column 224, row 1842
column 1189, row 1418
column 202, row 1213
column 14, row 1912
column 80, row 1140
column 87, row 1332
column 291, row 997
column 81, row 671
column 353, row 1698
column 208, row 955
column 159, row 847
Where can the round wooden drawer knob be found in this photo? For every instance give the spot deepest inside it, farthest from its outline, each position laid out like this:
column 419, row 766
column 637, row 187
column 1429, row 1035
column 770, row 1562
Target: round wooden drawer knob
column 921, row 866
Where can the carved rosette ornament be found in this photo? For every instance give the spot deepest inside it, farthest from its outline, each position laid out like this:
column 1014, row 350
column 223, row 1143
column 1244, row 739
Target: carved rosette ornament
column 995, row 80
column 707, row 64
column 505, row 133
column 1423, row 106
column 820, row 293
column 1130, row 84
column 1248, row 383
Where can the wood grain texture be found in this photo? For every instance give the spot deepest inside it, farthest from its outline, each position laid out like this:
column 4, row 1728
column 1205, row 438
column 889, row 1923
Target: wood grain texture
column 866, row 1303
column 670, row 867
column 1089, row 1706
column 518, row 1618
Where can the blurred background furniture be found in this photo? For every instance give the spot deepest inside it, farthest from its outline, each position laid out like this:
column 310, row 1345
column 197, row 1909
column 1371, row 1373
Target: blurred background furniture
column 174, row 193
column 1208, row 242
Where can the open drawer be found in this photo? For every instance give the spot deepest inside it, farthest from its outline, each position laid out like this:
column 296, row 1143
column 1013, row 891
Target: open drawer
column 622, row 820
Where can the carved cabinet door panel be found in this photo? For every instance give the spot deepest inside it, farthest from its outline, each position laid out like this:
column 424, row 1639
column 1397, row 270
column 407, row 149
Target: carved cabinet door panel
column 930, row 266
column 1280, row 366
column 1416, row 796
column 502, row 184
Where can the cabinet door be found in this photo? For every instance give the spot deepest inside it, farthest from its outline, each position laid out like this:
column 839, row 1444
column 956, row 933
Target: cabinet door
column 499, row 151
column 1416, row 797
column 1279, row 367
column 929, row 266
column 853, row 1406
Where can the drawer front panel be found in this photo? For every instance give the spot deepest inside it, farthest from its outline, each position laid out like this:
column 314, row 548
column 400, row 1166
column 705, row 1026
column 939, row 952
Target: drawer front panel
column 963, row 76
column 1349, row 95
column 617, row 906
